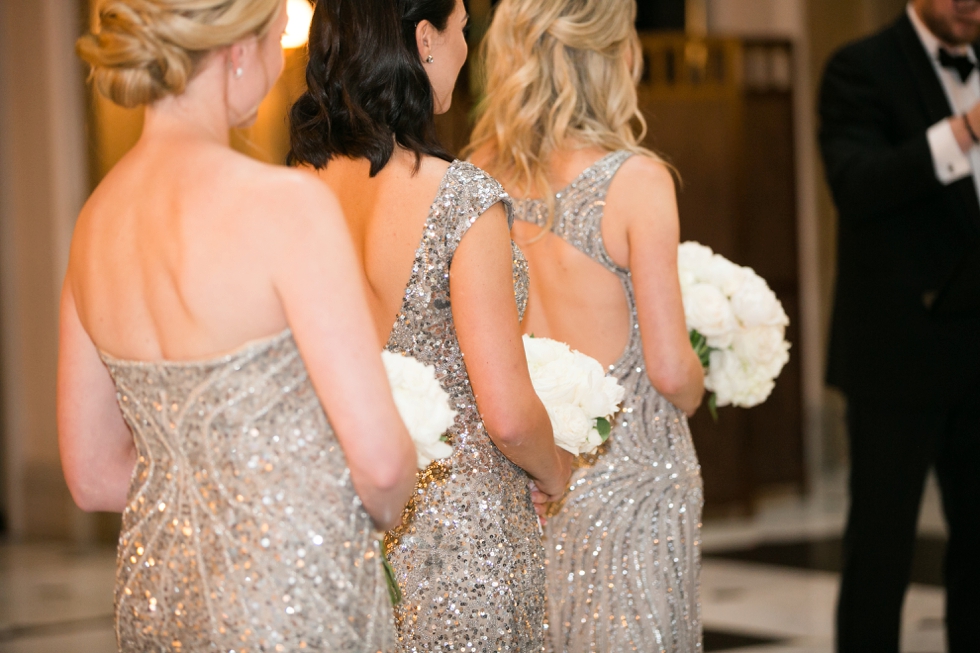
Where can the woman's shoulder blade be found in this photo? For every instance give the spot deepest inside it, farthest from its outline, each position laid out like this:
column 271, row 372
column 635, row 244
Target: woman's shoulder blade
column 642, row 177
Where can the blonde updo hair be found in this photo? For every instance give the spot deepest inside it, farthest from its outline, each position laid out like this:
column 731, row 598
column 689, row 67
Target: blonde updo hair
column 143, row 50
column 561, row 73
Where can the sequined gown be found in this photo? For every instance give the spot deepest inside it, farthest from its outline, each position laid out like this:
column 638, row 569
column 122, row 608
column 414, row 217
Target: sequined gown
column 242, row 530
column 624, row 550
column 468, row 555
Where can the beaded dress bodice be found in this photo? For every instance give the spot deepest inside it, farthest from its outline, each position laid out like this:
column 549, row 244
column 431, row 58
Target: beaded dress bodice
column 242, row 531
column 468, row 555
column 624, row 550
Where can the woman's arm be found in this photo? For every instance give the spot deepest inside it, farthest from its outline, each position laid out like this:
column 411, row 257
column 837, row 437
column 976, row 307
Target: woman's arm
column 323, row 293
column 97, row 450
column 642, row 201
column 489, row 331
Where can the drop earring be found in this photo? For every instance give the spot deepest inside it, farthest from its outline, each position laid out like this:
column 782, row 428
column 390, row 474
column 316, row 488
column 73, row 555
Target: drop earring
column 429, row 59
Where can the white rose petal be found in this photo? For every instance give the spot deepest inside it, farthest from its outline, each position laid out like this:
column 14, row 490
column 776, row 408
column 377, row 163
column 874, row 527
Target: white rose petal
column 422, row 404
column 693, row 259
column 724, row 275
column 754, row 304
column 735, row 383
column 709, row 312
column 571, row 426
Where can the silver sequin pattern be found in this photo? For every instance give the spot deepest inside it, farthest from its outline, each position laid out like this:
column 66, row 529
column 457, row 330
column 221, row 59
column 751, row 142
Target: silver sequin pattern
column 623, row 552
column 243, row 532
column 468, row 555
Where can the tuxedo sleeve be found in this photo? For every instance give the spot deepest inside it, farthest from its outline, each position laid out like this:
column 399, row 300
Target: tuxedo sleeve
column 870, row 174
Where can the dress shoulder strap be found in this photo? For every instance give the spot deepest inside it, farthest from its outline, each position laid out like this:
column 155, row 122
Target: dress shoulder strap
column 467, row 193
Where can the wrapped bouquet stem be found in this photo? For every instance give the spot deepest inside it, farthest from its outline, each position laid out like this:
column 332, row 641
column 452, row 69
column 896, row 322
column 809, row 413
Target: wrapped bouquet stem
column 578, row 395
column 737, row 327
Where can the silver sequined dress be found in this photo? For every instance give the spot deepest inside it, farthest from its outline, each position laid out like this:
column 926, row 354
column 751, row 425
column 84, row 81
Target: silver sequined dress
column 468, row 555
column 624, row 550
column 242, row 531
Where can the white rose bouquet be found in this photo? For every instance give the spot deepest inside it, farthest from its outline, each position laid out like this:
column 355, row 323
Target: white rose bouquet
column 422, row 404
column 575, row 391
column 737, row 327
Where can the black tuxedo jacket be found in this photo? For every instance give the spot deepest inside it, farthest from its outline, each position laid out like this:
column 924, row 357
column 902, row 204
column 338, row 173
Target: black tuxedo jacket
column 904, row 238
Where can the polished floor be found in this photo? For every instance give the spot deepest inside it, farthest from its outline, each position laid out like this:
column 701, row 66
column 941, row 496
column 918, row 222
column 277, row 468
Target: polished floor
column 769, row 585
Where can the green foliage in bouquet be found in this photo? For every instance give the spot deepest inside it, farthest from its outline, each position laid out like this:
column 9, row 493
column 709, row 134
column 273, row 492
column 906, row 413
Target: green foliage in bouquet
column 604, row 428
column 701, row 348
column 394, row 592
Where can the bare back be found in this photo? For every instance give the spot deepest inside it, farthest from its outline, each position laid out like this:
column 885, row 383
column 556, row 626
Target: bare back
column 386, row 215
column 567, row 285
column 170, row 258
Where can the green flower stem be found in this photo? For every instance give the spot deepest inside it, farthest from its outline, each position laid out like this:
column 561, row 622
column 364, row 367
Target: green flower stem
column 701, row 348
column 394, row 591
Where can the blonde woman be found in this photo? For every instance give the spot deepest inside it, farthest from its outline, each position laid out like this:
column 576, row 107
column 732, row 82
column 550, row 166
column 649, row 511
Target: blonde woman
column 205, row 340
column 597, row 218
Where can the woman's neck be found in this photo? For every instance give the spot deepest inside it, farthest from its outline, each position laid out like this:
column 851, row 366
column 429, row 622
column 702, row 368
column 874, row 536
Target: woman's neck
column 200, row 113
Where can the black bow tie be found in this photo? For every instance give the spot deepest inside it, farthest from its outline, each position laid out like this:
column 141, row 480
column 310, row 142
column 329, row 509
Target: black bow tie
column 958, row 62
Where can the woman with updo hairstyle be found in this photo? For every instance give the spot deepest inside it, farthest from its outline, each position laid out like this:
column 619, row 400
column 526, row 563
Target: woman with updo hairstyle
column 434, row 241
column 220, row 383
column 597, row 218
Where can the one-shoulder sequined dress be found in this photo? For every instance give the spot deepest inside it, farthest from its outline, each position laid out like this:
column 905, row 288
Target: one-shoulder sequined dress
column 624, row 551
column 468, row 555
column 242, row 531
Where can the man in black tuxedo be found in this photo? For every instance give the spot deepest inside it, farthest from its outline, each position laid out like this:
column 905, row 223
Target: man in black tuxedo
column 900, row 119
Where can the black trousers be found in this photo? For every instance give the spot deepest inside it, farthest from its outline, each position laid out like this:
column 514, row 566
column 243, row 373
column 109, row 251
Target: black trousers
column 893, row 445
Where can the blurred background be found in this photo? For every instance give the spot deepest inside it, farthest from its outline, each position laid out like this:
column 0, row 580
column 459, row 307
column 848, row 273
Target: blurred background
column 729, row 93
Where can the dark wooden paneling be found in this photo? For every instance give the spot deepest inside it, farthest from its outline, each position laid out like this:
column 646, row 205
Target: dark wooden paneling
column 732, row 144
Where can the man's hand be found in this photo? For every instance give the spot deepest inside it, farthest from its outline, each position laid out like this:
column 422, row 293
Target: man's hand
column 962, row 132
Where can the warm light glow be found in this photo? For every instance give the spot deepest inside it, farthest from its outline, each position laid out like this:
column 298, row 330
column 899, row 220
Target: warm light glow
column 298, row 28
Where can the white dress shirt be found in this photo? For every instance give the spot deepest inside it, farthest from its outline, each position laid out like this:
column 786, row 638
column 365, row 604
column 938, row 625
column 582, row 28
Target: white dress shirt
column 951, row 164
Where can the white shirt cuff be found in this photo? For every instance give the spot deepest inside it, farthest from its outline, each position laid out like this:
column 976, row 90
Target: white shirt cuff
column 947, row 157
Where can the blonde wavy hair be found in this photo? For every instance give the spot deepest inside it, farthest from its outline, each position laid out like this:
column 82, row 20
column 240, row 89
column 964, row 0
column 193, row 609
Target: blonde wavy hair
column 561, row 72
column 144, row 50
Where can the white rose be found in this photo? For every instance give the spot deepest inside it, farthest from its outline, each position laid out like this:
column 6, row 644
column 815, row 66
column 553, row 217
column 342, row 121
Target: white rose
column 724, row 275
column 593, row 442
column 555, row 383
column 755, row 304
column 571, row 427
column 708, row 311
column 693, row 260
column 589, row 385
column 422, row 404
column 736, row 383
column 612, row 394
column 541, row 351
column 762, row 346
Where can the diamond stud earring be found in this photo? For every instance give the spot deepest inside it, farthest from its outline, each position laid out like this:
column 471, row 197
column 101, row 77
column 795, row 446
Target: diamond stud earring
column 429, row 59
column 239, row 72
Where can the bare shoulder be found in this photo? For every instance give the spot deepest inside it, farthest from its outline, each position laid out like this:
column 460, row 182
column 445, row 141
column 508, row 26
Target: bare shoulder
column 643, row 189
column 432, row 169
column 644, row 177
column 280, row 202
